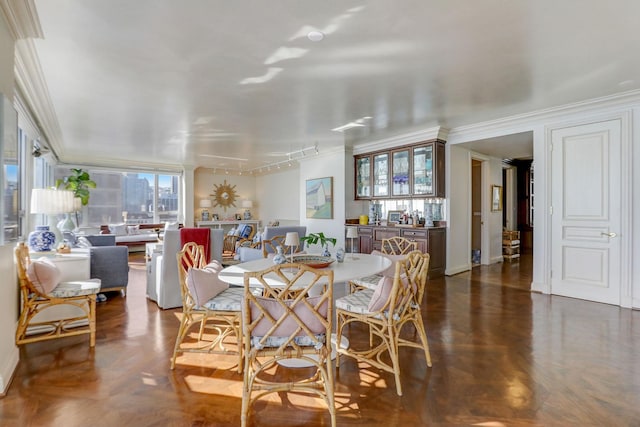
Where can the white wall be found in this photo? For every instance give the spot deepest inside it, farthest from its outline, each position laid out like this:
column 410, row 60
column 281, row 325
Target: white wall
column 9, row 289
column 204, row 185
column 278, row 196
column 327, row 164
column 458, row 189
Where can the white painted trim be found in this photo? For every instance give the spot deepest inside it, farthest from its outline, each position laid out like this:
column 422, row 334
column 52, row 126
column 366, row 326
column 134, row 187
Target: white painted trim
column 22, row 19
column 9, row 368
column 404, row 139
column 457, row 270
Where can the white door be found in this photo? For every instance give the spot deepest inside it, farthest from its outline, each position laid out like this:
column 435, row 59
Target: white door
column 586, row 205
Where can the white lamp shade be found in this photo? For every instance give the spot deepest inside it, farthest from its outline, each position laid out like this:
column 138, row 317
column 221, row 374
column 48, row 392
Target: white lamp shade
column 205, row 203
column 77, row 204
column 247, row 204
column 352, row 232
column 50, row 201
column 292, row 239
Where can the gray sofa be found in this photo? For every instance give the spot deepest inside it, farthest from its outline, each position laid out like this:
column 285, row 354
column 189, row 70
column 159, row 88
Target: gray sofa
column 109, row 263
column 249, row 254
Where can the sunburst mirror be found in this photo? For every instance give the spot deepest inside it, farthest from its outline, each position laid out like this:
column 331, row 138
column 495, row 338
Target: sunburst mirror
column 224, row 195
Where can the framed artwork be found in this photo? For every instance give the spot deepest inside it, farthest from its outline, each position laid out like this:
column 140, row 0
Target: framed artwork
column 496, row 198
column 394, row 217
column 216, row 217
column 319, row 201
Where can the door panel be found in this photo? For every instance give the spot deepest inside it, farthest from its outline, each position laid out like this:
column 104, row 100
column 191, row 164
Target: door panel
column 586, row 207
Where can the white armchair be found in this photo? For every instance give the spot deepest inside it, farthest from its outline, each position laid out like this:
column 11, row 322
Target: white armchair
column 162, row 269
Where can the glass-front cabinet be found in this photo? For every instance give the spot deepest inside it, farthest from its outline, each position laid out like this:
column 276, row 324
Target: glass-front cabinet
column 363, row 177
column 423, row 170
column 381, row 175
column 400, row 173
column 410, row 171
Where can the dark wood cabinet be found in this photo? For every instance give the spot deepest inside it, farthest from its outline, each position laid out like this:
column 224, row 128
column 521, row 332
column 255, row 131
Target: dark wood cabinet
column 411, row 171
column 430, row 240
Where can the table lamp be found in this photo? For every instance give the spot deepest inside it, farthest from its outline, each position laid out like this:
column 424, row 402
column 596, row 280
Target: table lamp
column 352, row 233
column 51, row 202
column 292, row 239
column 205, row 204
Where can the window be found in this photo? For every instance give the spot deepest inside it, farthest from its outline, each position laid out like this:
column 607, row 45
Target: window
column 10, row 177
column 131, row 197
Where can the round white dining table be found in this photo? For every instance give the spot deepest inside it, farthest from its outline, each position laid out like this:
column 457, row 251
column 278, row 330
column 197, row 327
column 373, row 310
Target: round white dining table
column 353, row 266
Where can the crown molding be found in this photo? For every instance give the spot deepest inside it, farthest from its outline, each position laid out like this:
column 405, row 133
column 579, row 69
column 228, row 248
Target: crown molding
column 437, row 132
column 524, row 122
column 35, row 92
column 22, row 18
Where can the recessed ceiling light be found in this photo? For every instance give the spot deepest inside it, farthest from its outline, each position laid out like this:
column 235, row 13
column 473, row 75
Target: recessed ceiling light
column 315, row 36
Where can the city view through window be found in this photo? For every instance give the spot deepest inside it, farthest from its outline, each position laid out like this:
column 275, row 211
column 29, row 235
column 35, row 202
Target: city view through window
column 134, row 198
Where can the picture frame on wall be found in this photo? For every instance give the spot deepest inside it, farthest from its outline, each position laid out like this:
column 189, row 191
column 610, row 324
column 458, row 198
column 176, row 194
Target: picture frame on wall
column 215, row 217
column 496, row 198
column 393, row 217
column 319, row 202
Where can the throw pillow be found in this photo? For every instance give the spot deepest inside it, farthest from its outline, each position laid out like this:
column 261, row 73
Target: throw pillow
column 133, row 229
column 383, row 291
column 83, row 242
column 204, row 284
column 118, row 229
column 391, row 271
column 44, row 275
column 171, row 226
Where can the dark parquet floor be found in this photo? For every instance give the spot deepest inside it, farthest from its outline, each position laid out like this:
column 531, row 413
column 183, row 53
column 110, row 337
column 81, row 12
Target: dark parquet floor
column 502, row 356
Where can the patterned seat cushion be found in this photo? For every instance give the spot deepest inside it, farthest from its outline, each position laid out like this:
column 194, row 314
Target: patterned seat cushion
column 302, row 341
column 368, row 282
column 227, row 300
column 75, row 288
column 357, row 302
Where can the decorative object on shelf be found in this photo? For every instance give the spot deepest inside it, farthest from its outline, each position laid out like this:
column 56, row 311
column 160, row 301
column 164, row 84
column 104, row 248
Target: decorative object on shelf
column 205, row 204
column 247, row 205
column 279, row 257
column 352, row 233
column 292, row 240
column 319, row 201
column 52, row 202
column 224, row 195
column 394, row 217
column 340, row 254
column 42, row 239
column 313, row 238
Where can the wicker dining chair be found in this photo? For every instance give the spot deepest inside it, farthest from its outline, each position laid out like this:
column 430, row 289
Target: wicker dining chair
column 287, row 323
column 396, row 248
column 40, row 291
column 219, row 314
column 394, row 303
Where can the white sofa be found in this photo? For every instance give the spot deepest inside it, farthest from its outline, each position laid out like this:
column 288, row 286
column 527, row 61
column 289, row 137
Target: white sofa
column 162, row 268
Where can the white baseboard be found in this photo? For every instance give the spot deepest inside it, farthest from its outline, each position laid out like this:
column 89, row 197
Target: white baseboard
column 458, row 269
column 7, row 371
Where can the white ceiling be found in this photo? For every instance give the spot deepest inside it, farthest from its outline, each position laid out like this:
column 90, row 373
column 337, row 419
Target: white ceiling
column 165, row 82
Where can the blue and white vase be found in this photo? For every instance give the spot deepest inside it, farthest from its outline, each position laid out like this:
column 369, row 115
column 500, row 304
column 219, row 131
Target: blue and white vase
column 42, row 239
column 325, row 251
column 340, row 255
column 279, row 257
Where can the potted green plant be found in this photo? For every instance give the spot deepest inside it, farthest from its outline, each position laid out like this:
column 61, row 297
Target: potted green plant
column 313, row 238
column 80, row 183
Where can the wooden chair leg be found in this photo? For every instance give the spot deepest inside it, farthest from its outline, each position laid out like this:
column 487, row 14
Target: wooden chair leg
column 419, row 325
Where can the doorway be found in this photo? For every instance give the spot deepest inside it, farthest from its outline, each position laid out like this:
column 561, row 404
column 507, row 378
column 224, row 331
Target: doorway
column 476, row 212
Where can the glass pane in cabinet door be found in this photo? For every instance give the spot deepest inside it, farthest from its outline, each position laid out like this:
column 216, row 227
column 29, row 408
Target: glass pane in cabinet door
column 423, row 170
column 400, row 173
column 381, row 175
column 363, row 177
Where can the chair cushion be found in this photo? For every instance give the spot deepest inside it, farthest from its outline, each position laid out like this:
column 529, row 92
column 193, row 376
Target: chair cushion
column 369, row 282
column 228, row 300
column 44, row 275
column 382, row 292
column 204, row 283
column 391, row 270
column 357, row 302
column 76, row 288
column 289, row 325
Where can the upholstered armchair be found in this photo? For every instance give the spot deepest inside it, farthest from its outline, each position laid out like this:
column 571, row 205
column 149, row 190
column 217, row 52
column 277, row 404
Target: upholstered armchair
column 109, row 263
column 249, row 254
